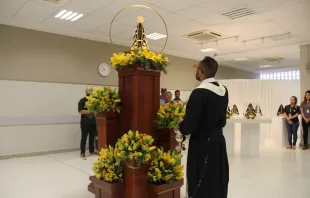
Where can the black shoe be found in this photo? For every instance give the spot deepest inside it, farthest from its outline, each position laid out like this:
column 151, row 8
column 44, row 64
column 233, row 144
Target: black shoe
column 305, row 148
column 83, row 156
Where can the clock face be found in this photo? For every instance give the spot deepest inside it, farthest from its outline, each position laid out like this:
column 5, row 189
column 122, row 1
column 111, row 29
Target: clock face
column 104, row 69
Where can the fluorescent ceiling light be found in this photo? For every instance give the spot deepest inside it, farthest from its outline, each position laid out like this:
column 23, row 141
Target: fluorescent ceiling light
column 264, row 66
column 71, row 16
column 155, row 36
column 77, row 17
column 68, row 15
column 60, row 13
column 207, row 50
column 241, row 59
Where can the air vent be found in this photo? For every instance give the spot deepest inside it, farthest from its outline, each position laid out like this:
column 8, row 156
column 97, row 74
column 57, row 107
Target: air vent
column 52, row 1
column 280, row 37
column 274, row 59
column 203, row 35
column 238, row 13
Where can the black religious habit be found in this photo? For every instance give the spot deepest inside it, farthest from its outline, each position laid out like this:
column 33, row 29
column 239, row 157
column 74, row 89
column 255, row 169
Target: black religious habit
column 207, row 162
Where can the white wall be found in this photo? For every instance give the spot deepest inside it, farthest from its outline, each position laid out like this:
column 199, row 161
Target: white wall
column 36, row 116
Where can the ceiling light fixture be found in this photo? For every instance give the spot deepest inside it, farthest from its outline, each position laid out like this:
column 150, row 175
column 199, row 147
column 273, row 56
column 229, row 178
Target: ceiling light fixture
column 155, row 36
column 71, row 16
column 241, row 59
column 207, row 50
column 68, row 15
column 60, row 13
column 77, row 17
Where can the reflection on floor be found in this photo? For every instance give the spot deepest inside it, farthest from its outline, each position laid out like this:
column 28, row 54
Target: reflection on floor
column 275, row 174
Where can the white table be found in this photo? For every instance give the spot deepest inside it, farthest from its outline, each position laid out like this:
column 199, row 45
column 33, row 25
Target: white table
column 250, row 135
column 229, row 133
column 279, row 132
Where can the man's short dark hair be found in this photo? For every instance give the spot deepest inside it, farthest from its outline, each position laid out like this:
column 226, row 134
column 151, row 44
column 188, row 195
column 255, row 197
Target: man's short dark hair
column 209, row 66
column 177, row 91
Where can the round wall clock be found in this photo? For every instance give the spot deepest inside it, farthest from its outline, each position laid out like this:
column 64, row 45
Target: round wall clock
column 104, row 69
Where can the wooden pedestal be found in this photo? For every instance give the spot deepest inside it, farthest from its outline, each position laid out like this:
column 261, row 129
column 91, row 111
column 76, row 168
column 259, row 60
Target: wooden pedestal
column 166, row 139
column 107, row 190
column 135, row 178
column 139, row 92
column 108, row 132
column 172, row 190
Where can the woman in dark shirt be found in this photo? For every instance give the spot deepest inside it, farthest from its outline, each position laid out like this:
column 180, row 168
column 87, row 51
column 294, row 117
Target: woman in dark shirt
column 305, row 113
column 291, row 113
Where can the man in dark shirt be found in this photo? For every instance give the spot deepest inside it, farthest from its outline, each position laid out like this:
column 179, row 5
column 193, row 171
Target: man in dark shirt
column 88, row 126
column 177, row 98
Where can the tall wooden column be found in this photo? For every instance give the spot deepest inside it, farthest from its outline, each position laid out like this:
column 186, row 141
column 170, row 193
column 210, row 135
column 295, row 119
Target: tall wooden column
column 139, row 92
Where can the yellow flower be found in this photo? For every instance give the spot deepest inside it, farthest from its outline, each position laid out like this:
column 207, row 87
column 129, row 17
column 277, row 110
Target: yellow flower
column 152, row 148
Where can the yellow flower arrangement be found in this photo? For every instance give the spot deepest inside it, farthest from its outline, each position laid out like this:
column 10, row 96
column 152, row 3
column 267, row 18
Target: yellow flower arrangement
column 165, row 167
column 103, row 99
column 168, row 115
column 139, row 58
column 135, row 146
column 108, row 167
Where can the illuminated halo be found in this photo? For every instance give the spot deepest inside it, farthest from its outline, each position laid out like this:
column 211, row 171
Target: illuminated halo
column 141, row 6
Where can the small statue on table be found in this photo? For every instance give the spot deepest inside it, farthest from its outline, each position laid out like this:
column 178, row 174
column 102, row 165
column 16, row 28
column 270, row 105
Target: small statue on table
column 250, row 112
column 280, row 110
column 228, row 113
column 235, row 110
column 258, row 111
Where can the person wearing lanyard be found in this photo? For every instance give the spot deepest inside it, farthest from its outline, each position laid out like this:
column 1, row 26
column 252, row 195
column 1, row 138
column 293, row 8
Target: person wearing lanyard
column 305, row 112
column 291, row 113
column 162, row 97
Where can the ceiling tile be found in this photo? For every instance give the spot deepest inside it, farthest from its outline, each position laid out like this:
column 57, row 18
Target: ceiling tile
column 172, row 20
column 264, row 6
column 214, row 19
column 81, row 6
column 210, row 8
column 187, row 27
column 110, row 10
column 9, row 7
column 147, row 14
column 117, row 28
column 249, row 31
column 35, row 12
column 56, row 23
column 88, row 23
column 177, row 5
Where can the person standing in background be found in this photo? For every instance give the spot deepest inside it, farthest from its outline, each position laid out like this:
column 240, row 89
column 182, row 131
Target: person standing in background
column 88, row 126
column 305, row 112
column 177, row 98
column 291, row 113
column 162, row 97
column 169, row 97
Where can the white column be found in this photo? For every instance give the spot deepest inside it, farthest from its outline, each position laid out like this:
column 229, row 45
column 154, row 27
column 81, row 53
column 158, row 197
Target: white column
column 304, row 78
column 229, row 133
column 250, row 136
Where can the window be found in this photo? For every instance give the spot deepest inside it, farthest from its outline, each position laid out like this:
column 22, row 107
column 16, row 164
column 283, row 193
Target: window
column 290, row 75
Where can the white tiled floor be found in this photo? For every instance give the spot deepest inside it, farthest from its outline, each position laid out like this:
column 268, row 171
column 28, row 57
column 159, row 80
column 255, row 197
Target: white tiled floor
column 275, row 174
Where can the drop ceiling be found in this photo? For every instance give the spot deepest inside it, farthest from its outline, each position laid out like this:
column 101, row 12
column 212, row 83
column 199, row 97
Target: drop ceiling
column 249, row 33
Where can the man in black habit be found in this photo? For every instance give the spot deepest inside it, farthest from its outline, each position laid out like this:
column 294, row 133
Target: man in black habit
column 207, row 162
